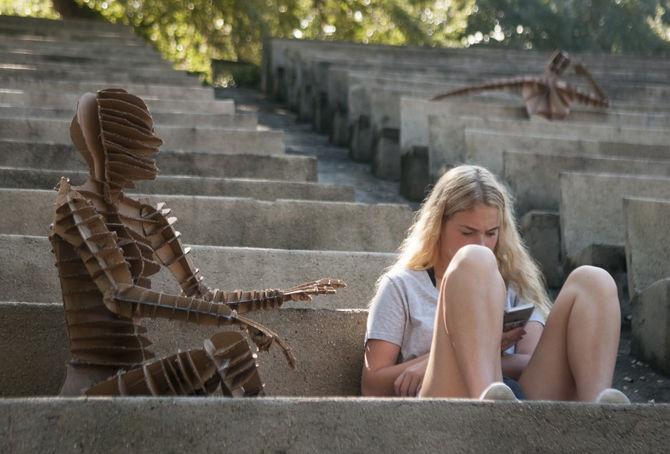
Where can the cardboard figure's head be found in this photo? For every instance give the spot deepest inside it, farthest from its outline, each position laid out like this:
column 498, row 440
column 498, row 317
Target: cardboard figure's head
column 558, row 62
column 114, row 132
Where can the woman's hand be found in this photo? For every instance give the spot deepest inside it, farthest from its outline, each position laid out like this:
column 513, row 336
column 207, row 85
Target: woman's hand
column 409, row 381
column 511, row 337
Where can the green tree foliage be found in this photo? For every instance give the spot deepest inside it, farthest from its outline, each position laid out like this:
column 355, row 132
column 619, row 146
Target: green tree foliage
column 32, row 8
column 191, row 32
column 611, row 26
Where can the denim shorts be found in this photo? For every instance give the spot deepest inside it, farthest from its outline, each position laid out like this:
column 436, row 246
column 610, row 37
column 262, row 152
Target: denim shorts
column 515, row 387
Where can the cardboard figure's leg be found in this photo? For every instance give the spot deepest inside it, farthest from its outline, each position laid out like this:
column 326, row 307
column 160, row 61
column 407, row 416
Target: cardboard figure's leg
column 226, row 360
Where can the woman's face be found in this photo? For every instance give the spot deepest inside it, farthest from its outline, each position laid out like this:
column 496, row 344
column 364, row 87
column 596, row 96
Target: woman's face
column 479, row 225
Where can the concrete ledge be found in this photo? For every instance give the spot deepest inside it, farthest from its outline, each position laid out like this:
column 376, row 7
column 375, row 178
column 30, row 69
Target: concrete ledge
column 651, row 325
column 540, row 231
column 219, row 140
column 177, row 118
column 282, row 224
column 38, row 74
column 189, row 185
column 142, row 90
column 328, row 345
column 647, row 247
column 28, row 272
column 28, row 98
column 328, row 425
column 592, row 207
column 194, row 163
column 534, row 177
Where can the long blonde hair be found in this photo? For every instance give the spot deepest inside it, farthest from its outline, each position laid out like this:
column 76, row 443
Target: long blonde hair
column 459, row 189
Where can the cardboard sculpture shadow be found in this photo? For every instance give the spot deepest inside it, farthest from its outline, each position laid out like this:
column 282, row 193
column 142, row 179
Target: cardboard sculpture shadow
column 544, row 95
column 107, row 245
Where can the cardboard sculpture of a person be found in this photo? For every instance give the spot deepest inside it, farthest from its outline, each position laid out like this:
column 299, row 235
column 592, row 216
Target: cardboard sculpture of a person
column 107, row 247
column 545, row 95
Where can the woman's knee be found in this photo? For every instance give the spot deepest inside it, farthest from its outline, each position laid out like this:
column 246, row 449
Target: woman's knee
column 474, row 261
column 473, row 258
column 594, row 281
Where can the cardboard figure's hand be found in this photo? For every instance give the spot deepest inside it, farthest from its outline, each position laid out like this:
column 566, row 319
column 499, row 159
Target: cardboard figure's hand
column 306, row 291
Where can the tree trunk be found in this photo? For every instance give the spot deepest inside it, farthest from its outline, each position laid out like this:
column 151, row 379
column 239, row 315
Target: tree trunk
column 70, row 9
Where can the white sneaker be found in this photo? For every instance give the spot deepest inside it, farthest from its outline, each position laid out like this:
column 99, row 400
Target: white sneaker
column 498, row 391
column 612, row 396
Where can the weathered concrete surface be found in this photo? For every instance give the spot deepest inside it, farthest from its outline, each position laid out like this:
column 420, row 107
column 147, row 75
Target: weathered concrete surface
column 534, row 177
column 328, row 425
column 540, row 231
column 282, row 224
column 647, row 246
column 220, row 140
column 328, row 345
column 39, row 97
column 414, row 114
column 108, row 75
column 414, row 173
column 28, row 272
column 651, row 324
column 142, row 90
column 591, row 207
column 26, row 178
column 16, row 51
column 447, row 134
column 485, row 148
column 206, row 164
column 179, row 118
column 386, row 156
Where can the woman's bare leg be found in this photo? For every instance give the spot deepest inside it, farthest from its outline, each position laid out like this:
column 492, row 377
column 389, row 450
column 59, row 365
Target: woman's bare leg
column 575, row 357
column 465, row 354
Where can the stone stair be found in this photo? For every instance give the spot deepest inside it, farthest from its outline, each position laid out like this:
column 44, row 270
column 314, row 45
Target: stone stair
column 257, row 220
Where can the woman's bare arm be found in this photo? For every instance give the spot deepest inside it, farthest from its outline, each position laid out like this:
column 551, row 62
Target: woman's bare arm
column 513, row 365
column 380, row 371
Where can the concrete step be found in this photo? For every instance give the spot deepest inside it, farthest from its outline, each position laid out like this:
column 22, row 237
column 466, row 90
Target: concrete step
column 487, row 147
column 101, row 47
column 147, row 90
column 231, row 121
column 26, row 178
column 284, row 167
column 108, row 75
column 534, row 177
column 220, row 140
column 338, row 226
column 275, row 424
column 328, row 346
column 414, row 114
column 85, row 57
column 647, row 223
column 591, row 207
column 447, row 139
column 28, row 260
column 46, row 98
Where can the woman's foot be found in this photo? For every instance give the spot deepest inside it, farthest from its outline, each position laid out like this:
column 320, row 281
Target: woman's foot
column 498, row 391
column 612, row 396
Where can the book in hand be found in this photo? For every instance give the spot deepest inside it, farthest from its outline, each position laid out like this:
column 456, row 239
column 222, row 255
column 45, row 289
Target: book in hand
column 517, row 316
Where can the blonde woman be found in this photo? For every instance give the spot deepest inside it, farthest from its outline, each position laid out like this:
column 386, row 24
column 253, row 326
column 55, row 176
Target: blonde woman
column 436, row 323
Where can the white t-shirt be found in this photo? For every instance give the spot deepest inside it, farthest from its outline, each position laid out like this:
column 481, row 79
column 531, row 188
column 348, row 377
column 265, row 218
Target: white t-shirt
column 403, row 312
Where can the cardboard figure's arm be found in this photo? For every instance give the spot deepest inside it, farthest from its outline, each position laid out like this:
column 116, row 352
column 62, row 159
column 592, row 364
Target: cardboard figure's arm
column 516, row 83
column 164, row 239
column 600, row 97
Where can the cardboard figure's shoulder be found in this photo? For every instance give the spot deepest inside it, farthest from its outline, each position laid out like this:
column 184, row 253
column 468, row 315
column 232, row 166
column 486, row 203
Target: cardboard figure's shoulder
column 66, row 192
